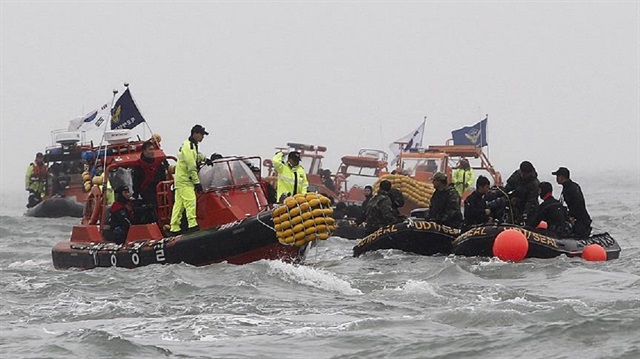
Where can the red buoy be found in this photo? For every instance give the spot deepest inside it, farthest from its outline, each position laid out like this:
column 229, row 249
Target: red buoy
column 594, row 253
column 510, row 245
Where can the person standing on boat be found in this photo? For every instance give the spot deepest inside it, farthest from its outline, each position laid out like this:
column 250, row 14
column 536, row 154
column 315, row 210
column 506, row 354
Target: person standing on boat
column 292, row 178
column 146, row 175
column 463, row 176
column 379, row 212
column 522, row 187
column 445, row 203
column 476, row 209
column 550, row 210
column 36, row 180
column 187, row 182
column 121, row 216
column 572, row 195
column 327, row 181
column 362, row 216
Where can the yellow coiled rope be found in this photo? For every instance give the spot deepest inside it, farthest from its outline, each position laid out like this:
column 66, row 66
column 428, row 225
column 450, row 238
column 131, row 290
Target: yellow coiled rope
column 303, row 218
column 417, row 192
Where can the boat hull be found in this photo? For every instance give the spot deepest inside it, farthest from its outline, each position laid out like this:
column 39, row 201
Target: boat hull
column 479, row 242
column 56, row 207
column 348, row 229
column 414, row 236
column 240, row 242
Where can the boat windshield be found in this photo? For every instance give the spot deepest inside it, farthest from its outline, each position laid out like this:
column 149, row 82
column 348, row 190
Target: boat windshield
column 411, row 166
column 224, row 173
column 121, row 176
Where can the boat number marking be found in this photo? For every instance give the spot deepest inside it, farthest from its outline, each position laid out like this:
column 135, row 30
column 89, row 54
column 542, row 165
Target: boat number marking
column 114, row 260
column 135, row 258
column 160, row 255
column 428, row 226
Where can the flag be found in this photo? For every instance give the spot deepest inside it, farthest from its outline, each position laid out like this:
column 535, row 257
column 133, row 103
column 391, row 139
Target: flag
column 92, row 120
column 475, row 135
column 412, row 140
column 125, row 113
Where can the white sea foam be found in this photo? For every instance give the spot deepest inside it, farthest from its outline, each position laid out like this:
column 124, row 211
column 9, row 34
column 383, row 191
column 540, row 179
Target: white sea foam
column 313, row 277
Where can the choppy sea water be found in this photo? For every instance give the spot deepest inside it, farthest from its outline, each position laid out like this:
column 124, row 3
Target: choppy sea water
column 386, row 304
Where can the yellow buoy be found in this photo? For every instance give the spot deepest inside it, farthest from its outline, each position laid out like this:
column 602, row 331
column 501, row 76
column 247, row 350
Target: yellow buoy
column 306, row 215
column 298, row 228
column 296, row 220
column 311, row 230
column 309, row 223
column 304, row 206
column 285, row 224
column 294, row 211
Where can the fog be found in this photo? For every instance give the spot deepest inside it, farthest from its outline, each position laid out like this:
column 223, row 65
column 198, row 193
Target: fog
column 559, row 81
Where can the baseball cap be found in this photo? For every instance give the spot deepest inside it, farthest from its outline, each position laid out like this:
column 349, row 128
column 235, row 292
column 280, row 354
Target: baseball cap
column 294, row 155
column 439, row 176
column 562, row 171
column 199, row 129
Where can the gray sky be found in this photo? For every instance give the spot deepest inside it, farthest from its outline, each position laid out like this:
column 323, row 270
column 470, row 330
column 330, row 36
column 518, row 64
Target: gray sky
column 560, row 81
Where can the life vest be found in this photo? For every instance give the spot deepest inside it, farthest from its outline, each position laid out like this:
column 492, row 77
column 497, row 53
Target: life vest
column 39, row 172
column 149, row 170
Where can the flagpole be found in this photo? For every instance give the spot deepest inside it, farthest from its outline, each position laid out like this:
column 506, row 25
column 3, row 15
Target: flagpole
column 424, row 126
column 105, row 177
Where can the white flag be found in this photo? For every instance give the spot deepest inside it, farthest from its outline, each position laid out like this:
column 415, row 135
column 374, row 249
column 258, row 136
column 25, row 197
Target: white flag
column 412, row 140
column 92, row 120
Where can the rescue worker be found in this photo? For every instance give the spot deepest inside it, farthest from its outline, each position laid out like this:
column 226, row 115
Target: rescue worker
column 397, row 200
column 362, row 216
column 476, row 210
column 36, row 180
column 550, row 210
column 327, row 181
column 292, row 178
column 121, row 216
column 379, row 211
column 445, row 203
column 522, row 187
column 187, row 182
column 463, row 176
column 146, row 175
column 572, row 195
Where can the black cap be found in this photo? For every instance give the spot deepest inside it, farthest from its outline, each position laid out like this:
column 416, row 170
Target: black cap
column 294, row 155
column 545, row 187
column 527, row 167
column 39, row 155
column 198, row 129
column 562, row 171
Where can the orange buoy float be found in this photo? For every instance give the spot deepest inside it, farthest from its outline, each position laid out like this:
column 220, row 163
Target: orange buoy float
column 594, row 253
column 510, row 245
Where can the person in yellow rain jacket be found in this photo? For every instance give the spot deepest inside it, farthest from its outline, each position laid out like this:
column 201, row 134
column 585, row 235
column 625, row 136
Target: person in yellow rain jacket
column 186, row 181
column 292, row 178
column 463, row 176
column 36, row 180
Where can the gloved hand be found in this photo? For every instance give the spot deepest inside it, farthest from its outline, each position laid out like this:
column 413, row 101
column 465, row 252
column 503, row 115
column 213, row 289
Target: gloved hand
column 198, row 188
column 208, row 162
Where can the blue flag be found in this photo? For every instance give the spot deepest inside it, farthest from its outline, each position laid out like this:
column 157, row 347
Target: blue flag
column 125, row 113
column 475, row 135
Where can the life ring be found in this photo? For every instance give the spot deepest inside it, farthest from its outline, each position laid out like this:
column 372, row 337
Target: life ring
column 93, row 206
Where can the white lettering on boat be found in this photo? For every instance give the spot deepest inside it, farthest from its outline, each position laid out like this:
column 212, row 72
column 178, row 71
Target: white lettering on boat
column 135, row 258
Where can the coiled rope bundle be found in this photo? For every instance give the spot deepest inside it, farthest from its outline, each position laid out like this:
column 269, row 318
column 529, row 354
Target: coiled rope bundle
column 303, row 218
